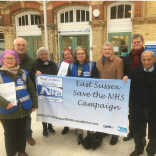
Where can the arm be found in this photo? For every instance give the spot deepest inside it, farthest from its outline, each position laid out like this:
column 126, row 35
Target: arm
column 120, row 69
column 32, row 92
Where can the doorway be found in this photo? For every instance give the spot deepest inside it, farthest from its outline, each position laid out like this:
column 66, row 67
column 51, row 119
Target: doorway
column 33, row 44
column 73, row 41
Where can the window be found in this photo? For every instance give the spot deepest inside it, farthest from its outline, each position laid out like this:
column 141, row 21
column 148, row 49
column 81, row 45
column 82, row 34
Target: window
column 1, row 42
column 120, row 11
column 121, row 43
column 29, row 19
column 77, row 14
column 1, row 24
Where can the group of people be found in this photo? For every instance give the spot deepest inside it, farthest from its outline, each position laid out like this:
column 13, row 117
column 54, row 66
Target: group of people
column 138, row 65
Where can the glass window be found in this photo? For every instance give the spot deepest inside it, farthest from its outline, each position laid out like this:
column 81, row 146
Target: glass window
column 127, row 11
column 82, row 15
column 120, row 11
column 77, row 15
column 23, row 20
column 66, row 17
column 113, row 12
column 26, row 19
column 32, row 19
column 87, row 15
column 1, row 24
column 71, row 15
column 62, row 18
column 19, row 21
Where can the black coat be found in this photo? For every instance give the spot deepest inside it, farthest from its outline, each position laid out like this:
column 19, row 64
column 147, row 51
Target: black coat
column 136, row 101
column 50, row 69
column 127, row 64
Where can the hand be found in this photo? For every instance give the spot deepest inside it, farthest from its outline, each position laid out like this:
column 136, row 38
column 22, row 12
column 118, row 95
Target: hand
column 10, row 105
column 125, row 78
column 34, row 109
column 38, row 72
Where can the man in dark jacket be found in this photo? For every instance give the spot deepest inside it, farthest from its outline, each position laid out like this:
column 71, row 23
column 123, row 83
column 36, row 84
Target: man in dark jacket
column 26, row 63
column 142, row 104
column 132, row 60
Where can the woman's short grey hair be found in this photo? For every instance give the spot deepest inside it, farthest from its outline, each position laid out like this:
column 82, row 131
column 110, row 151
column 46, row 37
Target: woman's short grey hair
column 41, row 50
column 108, row 44
column 148, row 52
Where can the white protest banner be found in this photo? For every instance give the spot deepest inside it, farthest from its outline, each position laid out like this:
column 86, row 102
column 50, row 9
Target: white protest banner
column 8, row 91
column 85, row 103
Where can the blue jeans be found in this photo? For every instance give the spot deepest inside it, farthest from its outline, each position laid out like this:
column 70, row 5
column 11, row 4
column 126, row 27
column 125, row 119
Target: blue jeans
column 28, row 127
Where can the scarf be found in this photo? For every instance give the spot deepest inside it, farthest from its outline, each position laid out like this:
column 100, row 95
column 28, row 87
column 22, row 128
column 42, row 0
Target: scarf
column 21, row 56
column 135, row 58
column 11, row 70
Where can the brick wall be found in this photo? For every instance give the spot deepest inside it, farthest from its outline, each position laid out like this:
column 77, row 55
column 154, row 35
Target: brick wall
column 15, row 7
column 58, row 3
column 50, row 18
column 32, row 5
column 151, row 9
column 138, row 6
column 147, row 30
column 100, row 8
column 7, row 21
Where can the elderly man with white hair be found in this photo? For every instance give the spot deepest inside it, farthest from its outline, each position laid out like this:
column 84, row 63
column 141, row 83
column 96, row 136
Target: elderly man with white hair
column 26, row 63
column 142, row 104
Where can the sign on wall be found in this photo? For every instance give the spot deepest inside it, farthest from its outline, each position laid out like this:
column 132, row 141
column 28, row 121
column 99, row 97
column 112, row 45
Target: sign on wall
column 151, row 46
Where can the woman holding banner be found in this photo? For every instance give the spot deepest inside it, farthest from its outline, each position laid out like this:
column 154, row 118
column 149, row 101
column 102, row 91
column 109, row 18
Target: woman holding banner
column 45, row 66
column 82, row 67
column 14, row 115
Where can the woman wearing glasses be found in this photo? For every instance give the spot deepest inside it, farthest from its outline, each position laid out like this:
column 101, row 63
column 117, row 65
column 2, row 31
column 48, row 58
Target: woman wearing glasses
column 13, row 117
column 82, row 67
column 45, row 66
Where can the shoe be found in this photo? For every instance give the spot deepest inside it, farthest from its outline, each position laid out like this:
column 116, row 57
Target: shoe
column 51, row 130
column 144, row 142
column 31, row 141
column 45, row 133
column 105, row 134
column 135, row 153
column 113, row 140
column 79, row 138
column 129, row 137
column 22, row 154
column 65, row 130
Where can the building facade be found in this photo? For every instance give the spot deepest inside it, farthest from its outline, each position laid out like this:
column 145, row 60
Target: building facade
column 76, row 23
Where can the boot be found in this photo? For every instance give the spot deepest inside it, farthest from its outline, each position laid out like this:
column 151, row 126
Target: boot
column 65, row 130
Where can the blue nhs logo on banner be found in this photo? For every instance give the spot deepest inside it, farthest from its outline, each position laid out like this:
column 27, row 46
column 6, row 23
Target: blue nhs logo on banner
column 49, row 91
column 151, row 46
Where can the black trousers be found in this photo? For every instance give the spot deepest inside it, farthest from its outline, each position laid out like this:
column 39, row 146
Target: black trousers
column 138, row 138
column 45, row 125
column 14, row 132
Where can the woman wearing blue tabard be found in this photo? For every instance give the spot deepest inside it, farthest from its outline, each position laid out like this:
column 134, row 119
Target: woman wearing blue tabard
column 13, row 117
column 82, row 67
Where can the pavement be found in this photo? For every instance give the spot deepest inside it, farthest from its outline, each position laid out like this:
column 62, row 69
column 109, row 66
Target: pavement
column 66, row 145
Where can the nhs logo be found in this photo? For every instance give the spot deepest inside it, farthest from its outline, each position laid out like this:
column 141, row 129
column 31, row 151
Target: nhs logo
column 49, row 91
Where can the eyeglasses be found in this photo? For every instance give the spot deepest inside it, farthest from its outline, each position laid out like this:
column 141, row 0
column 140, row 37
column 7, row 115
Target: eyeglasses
column 11, row 58
column 80, row 54
column 44, row 54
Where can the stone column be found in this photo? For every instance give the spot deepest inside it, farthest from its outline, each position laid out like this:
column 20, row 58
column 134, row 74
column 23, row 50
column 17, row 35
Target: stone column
column 98, row 37
column 8, row 37
column 52, row 38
